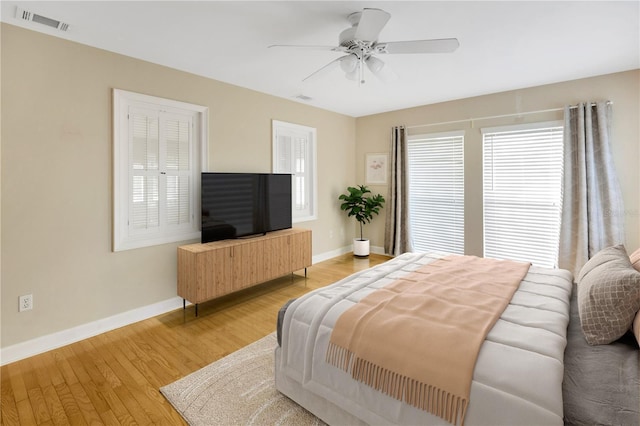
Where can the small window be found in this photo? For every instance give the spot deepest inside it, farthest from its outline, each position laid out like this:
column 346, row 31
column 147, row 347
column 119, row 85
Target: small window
column 522, row 187
column 158, row 147
column 294, row 151
column 436, row 192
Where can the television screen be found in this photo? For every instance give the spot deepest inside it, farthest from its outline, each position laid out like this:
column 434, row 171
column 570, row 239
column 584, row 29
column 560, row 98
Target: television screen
column 236, row 205
column 277, row 202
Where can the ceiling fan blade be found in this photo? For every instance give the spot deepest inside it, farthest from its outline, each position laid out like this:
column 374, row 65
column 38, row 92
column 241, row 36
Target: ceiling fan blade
column 443, row 45
column 371, row 23
column 325, row 69
column 310, row 47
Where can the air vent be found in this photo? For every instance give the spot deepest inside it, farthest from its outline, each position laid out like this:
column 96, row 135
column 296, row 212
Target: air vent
column 303, row 97
column 26, row 15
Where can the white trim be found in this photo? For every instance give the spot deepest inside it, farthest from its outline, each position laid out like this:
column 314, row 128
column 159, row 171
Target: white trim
column 343, row 250
column 438, row 135
column 376, row 250
column 524, row 126
column 471, row 120
column 331, row 254
column 122, row 100
column 65, row 337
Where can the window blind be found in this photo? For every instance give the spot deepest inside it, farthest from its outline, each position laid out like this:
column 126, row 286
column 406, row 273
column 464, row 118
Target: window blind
column 436, row 192
column 522, row 184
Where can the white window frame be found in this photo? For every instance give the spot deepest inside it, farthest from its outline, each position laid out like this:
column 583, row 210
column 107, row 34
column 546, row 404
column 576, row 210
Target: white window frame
column 532, row 250
column 454, row 242
column 281, row 128
column 123, row 236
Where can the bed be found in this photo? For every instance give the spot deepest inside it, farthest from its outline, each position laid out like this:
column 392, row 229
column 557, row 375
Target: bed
column 519, row 372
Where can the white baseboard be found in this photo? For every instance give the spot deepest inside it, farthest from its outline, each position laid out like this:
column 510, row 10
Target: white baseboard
column 65, row 337
column 75, row 334
column 330, row 254
column 343, row 250
column 377, row 250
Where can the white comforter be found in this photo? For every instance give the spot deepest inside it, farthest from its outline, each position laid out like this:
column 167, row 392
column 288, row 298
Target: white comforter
column 518, row 374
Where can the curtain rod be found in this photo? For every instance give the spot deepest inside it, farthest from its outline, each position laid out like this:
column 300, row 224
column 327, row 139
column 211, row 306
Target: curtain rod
column 491, row 117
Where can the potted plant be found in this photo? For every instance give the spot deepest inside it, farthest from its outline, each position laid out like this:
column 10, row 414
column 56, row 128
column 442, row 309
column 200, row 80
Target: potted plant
column 359, row 202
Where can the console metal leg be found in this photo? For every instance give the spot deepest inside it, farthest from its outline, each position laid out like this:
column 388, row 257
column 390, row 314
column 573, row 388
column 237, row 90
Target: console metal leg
column 196, row 309
column 184, row 304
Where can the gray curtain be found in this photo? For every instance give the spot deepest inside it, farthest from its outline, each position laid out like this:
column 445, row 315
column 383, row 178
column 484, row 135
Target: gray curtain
column 592, row 207
column 396, row 232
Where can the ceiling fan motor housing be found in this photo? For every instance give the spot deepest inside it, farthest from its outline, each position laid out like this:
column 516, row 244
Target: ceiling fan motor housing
column 347, row 39
column 353, row 41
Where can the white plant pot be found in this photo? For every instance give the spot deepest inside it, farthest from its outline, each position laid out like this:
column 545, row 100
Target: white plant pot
column 360, row 247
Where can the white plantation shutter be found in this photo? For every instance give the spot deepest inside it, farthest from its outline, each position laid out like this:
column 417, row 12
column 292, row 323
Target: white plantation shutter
column 282, row 153
column 522, row 192
column 294, row 152
column 145, row 147
column 436, row 192
column 178, row 169
column 300, row 173
column 160, row 171
column 157, row 155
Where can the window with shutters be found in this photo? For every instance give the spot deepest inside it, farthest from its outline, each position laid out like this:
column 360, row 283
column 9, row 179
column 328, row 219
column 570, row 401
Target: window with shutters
column 436, row 192
column 294, row 151
column 522, row 185
column 159, row 145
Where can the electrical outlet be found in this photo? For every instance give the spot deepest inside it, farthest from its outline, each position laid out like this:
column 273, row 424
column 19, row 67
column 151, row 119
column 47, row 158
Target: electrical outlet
column 26, row 302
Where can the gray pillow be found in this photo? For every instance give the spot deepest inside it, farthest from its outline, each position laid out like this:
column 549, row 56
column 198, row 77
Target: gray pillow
column 608, row 295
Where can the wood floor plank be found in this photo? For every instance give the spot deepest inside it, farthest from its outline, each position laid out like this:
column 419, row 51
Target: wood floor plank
column 16, row 378
column 39, row 406
column 91, row 388
column 109, row 419
column 25, row 413
column 56, row 410
column 86, row 406
column 66, row 372
column 70, row 406
column 9, row 414
column 114, row 378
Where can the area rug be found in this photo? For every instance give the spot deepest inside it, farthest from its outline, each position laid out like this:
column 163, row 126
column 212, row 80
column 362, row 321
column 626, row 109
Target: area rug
column 237, row 390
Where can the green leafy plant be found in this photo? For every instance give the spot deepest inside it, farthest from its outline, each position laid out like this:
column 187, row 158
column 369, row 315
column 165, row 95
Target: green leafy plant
column 357, row 202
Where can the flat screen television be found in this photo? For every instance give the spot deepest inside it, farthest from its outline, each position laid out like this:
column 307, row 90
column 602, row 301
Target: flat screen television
column 236, row 205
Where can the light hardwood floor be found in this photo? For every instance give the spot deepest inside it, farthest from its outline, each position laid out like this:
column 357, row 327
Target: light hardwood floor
column 114, row 378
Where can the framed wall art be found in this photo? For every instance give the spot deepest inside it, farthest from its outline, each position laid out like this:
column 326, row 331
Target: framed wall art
column 376, row 166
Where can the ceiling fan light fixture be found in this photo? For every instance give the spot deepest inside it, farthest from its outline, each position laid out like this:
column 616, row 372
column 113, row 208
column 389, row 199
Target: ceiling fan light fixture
column 374, row 64
column 381, row 70
column 353, row 75
column 349, row 63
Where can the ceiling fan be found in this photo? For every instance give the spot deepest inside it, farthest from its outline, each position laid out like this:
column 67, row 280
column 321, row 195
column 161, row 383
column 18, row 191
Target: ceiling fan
column 361, row 45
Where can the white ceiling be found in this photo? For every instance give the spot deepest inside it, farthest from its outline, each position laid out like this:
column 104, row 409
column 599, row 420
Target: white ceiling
column 504, row 45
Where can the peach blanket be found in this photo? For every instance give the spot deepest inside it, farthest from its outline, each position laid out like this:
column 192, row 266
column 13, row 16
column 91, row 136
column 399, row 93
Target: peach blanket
column 418, row 338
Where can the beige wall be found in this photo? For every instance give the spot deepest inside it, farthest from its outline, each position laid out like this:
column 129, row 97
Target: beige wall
column 623, row 89
column 57, row 177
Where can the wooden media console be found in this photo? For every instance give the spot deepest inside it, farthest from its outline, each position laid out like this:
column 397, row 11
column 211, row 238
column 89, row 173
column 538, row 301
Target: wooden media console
column 207, row 271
